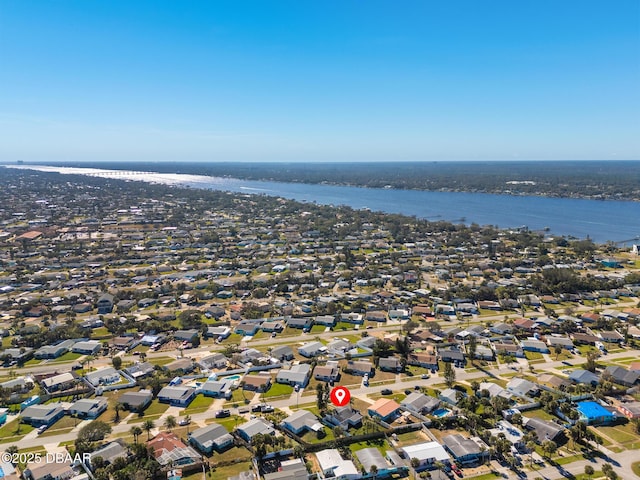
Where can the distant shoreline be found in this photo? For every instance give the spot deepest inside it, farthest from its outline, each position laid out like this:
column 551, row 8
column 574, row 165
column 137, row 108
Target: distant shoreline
column 591, row 180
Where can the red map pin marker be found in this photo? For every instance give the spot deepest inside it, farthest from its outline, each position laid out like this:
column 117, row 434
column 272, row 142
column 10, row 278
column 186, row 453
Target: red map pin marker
column 340, row 396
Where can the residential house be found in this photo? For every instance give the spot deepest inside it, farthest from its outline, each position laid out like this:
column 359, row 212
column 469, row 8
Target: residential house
column 452, row 356
column 169, row 450
column 105, row 304
column 40, row 415
column 513, row 434
column 181, row 366
column 509, row 349
column 312, row 349
column 303, row 323
column 218, row 388
column 333, row 466
column 592, row 413
column 177, row 396
column 213, row 361
column 585, row 338
column 450, row 396
column 523, row 388
column 390, row 364
column 54, row 351
column 284, row 352
column 359, row 367
column 89, row 408
column 88, row 347
column 545, row 429
column 344, row 417
column 302, row 421
column 136, row 401
column 621, row 375
column 630, row 409
column 296, row 375
column 563, row 342
column 327, row 373
column 534, row 345
column 248, row 327
column 418, row 402
column 210, row 438
column 611, row 336
column 104, row 376
column 61, row 382
column 385, row 409
column 427, row 453
column 584, row 377
column 186, row 335
column 110, row 452
column 294, row 469
column 466, row 451
column 220, row 332
column 326, row 320
column 256, row 383
column 423, row 359
column 254, row 427
column 139, row 370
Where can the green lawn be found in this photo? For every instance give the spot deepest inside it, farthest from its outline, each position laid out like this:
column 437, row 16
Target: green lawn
column 9, row 431
column 161, row 361
column 318, row 328
column 67, row 357
column 533, row 355
column 229, row 423
column 278, row 390
column 239, row 397
column 154, row 411
column 64, row 425
column 636, row 468
column 226, row 472
column 200, row 404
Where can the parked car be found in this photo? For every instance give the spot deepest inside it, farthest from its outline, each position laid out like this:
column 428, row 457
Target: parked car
column 223, row 413
column 267, row 409
column 386, row 391
column 184, row 421
column 424, row 376
column 42, row 429
column 256, row 408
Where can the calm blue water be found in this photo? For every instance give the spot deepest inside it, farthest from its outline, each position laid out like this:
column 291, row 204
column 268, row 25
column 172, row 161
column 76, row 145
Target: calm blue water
column 600, row 220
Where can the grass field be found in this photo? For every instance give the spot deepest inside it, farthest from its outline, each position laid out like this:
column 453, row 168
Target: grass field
column 67, row 357
column 64, row 425
column 200, row 404
column 278, row 390
column 153, row 412
column 9, row 432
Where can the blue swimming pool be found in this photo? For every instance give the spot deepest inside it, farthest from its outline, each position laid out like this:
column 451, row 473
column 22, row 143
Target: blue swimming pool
column 441, row 412
column 233, row 377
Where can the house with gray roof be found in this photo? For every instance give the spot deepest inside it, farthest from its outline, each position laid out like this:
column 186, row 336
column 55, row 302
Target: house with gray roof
column 89, row 408
column 294, row 469
column 296, row 375
column 54, row 351
column 493, row 390
column 88, row 347
column 104, row 376
column 220, row 332
column 371, row 457
column 450, row 396
column 419, row 402
column 563, row 342
column 177, row 396
column 213, row 361
column 466, row 451
column 304, row 323
column 523, row 388
column 210, row 438
column 390, row 364
column 302, row 421
column 545, row 430
column 110, row 452
column 621, row 375
column 61, row 382
column 359, row 367
column 136, row 401
column 584, row 377
column 312, row 349
column 284, row 352
column 140, row 370
column 344, row 417
column 533, row 345
column 39, row 415
column 255, row 426
column 218, row 388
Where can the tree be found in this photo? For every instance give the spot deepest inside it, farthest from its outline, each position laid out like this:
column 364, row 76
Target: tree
column 147, row 426
column 531, row 446
column 320, row 397
column 415, row 463
column 170, row 422
column 449, row 375
column 472, row 347
column 557, row 350
column 608, row 471
column 94, row 431
column 117, row 408
column 589, row 471
column 591, row 363
column 187, row 419
column 136, row 432
column 373, row 471
column 549, row 447
column 116, row 362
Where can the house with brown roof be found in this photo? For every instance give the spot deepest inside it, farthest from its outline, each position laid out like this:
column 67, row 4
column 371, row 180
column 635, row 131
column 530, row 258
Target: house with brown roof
column 385, row 409
column 256, row 383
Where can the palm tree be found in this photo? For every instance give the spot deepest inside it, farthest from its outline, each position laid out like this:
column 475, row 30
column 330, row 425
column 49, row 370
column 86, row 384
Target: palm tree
column 117, row 407
column 170, row 422
column 136, row 432
column 373, row 471
column 589, row 471
column 147, row 426
column 187, row 419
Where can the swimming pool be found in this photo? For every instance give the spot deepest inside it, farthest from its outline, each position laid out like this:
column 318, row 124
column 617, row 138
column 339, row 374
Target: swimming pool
column 233, row 377
column 441, row 412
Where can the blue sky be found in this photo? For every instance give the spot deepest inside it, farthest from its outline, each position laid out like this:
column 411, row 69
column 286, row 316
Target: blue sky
column 319, row 81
